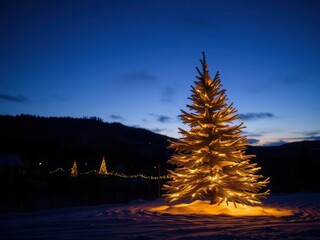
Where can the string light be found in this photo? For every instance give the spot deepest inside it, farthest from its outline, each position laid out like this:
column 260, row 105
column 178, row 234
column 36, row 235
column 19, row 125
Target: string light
column 57, row 170
column 112, row 173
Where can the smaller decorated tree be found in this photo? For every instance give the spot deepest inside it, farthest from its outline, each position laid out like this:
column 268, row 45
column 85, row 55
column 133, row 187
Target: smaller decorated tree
column 103, row 167
column 74, row 169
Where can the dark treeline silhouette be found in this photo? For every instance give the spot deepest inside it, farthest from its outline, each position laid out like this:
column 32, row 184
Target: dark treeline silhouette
column 58, row 141
column 31, row 147
column 44, row 144
column 292, row 167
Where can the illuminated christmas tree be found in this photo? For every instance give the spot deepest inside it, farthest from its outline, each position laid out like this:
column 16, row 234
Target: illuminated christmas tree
column 210, row 157
column 103, row 167
column 74, row 169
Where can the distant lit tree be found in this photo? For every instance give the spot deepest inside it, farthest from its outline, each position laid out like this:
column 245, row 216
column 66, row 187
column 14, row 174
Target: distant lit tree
column 210, row 157
column 103, row 167
column 74, row 169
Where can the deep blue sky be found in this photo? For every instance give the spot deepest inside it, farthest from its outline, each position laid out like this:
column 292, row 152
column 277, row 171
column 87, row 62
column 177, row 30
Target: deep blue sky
column 134, row 61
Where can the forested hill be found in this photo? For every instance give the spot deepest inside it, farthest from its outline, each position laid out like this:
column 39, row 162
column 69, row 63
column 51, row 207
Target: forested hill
column 58, row 141
column 291, row 166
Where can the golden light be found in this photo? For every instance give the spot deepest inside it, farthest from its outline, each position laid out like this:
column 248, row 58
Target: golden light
column 74, row 169
column 225, row 171
column 103, row 167
column 204, row 208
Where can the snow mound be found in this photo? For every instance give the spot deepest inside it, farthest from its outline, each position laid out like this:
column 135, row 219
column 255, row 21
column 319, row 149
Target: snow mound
column 204, row 207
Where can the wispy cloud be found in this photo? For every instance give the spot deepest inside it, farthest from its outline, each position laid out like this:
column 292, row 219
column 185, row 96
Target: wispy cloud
column 315, row 138
column 141, row 76
column 167, row 94
column 310, row 135
column 136, row 126
column 164, row 119
column 252, row 137
column 275, row 143
column 158, row 130
column 253, row 140
column 10, row 98
column 161, row 118
column 255, row 116
column 116, row 117
column 250, row 134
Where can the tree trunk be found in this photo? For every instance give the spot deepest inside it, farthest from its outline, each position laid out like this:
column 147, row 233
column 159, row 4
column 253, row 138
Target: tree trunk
column 213, row 199
column 213, row 193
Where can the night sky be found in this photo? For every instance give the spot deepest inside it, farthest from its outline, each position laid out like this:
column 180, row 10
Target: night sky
column 134, row 61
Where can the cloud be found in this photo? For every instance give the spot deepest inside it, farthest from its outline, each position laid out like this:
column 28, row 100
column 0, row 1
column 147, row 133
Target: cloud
column 253, row 140
column 312, row 133
column 116, row 117
column 314, row 138
column 142, row 76
column 255, row 116
column 136, row 126
column 276, row 143
column 158, row 130
column 250, row 134
column 162, row 118
column 289, row 140
column 17, row 98
column 167, row 94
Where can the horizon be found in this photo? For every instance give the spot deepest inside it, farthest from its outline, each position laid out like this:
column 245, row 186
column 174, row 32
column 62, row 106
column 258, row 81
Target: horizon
column 97, row 119
column 133, row 62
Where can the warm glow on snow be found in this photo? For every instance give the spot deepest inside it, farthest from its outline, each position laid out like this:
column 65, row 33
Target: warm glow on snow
column 148, row 220
column 204, row 208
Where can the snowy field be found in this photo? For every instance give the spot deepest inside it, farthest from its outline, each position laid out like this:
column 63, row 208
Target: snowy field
column 158, row 220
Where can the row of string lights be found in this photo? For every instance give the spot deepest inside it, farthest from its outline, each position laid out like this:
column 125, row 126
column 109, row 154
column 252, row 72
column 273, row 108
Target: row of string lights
column 103, row 171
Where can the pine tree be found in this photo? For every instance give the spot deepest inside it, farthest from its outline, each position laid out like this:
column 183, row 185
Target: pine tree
column 210, row 158
column 74, row 169
column 103, row 167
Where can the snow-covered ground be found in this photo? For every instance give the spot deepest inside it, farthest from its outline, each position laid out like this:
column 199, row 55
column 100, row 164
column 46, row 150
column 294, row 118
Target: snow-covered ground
column 158, row 220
